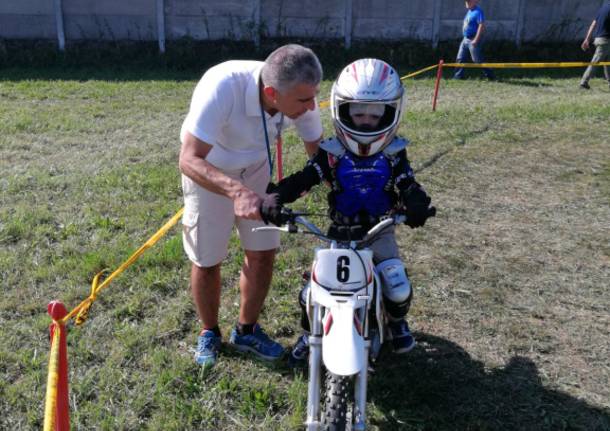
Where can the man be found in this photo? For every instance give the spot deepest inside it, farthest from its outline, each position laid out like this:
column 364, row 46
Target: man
column 601, row 40
column 473, row 29
column 237, row 109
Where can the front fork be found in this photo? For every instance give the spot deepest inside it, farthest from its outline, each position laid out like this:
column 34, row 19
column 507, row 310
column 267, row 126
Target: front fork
column 359, row 415
column 315, row 370
column 315, row 378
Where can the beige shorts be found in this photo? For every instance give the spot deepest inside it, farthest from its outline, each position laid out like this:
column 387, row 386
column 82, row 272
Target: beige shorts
column 209, row 218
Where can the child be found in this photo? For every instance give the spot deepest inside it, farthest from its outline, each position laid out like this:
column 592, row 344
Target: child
column 367, row 169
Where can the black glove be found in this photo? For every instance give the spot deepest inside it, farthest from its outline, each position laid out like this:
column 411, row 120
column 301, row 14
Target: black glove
column 271, row 210
column 271, row 187
column 417, row 205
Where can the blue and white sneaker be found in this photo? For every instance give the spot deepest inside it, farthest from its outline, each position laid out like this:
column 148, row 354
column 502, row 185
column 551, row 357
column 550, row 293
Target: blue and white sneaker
column 258, row 343
column 208, row 345
column 300, row 352
column 402, row 339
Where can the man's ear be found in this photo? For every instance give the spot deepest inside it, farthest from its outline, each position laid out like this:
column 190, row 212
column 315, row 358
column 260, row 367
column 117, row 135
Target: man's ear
column 270, row 93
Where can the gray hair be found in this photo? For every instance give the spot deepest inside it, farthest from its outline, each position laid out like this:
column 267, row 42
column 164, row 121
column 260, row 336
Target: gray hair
column 290, row 65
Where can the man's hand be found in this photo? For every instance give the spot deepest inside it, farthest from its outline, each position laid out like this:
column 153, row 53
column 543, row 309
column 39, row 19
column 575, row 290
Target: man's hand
column 585, row 45
column 246, row 204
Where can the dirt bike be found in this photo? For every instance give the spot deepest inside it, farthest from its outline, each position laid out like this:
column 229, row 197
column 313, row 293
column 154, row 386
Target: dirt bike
column 346, row 316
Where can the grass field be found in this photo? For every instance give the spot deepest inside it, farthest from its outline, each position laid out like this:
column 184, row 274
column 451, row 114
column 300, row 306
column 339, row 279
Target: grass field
column 511, row 278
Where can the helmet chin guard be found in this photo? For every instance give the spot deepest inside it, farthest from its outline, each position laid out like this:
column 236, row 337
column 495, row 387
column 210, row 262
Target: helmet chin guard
column 365, row 82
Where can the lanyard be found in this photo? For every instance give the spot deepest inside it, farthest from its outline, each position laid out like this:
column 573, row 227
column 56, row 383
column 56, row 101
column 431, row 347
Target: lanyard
column 279, row 136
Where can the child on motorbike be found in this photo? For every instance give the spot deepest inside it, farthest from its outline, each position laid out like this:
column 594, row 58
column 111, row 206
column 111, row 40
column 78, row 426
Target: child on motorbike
column 369, row 175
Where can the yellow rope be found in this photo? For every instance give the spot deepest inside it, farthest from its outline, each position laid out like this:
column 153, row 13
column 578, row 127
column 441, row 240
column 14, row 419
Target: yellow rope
column 83, row 308
column 425, row 69
column 525, row 65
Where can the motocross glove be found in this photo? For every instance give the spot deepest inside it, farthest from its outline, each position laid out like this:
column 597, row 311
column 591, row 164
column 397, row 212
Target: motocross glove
column 417, row 205
column 271, row 210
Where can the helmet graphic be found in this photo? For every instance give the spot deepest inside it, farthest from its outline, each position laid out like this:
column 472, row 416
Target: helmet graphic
column 366, row 104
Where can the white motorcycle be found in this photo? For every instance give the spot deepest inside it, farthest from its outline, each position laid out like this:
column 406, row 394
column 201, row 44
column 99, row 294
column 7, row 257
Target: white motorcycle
column 344, row 294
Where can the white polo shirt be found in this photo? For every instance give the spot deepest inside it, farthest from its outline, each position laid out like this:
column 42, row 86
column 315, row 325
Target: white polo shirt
column 225, row 112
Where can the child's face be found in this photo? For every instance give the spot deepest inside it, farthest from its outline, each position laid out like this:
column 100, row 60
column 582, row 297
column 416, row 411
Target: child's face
column 366, row 117
column 471, row 3
column 369, row 121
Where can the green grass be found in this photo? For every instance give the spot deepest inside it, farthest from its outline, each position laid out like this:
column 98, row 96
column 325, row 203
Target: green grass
column 511, row 302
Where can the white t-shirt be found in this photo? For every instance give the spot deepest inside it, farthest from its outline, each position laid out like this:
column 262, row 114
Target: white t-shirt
column 225, row 112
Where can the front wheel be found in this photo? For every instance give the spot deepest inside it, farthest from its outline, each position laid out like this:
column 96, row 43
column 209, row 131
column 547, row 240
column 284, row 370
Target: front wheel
column 338, row 398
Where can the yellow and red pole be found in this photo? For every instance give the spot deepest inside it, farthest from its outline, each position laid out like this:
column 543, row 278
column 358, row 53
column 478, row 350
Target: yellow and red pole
column 57, row 409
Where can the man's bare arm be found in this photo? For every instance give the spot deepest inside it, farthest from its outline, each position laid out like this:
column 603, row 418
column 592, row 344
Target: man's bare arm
column 312, row 146
column 480, row 30
column 192, row 163
column 587, row 41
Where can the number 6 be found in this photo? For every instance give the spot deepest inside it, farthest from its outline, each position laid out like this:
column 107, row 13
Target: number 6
column 343, row 269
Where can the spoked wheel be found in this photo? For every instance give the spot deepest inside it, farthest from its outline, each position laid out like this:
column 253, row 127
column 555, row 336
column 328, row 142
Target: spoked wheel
column 338, row 402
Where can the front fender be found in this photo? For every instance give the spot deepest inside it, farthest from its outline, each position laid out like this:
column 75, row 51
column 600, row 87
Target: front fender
column 343, row 348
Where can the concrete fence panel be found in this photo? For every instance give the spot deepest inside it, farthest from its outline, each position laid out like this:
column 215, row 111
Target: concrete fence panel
column 27, row 19
column 344, row 20
column 109, row 19
column 393, row 19
column 210, row 20
column 315, row 19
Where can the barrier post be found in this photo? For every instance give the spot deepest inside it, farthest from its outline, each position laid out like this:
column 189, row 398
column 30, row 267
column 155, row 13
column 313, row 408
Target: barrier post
column 439, row 75
column 58, row 311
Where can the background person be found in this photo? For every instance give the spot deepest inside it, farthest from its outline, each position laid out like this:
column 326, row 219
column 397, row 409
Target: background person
column 600, row 31
column 472, row 30
column 237, row 109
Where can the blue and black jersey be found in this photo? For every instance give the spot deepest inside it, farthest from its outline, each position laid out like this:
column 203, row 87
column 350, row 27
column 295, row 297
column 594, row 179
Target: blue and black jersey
column 362, row 189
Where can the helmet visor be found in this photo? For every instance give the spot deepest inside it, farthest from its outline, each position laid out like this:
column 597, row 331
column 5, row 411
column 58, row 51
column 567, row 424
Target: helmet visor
column 367, row 118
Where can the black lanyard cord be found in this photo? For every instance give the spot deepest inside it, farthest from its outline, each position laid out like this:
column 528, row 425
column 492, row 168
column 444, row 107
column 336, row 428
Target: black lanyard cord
column 279, row 133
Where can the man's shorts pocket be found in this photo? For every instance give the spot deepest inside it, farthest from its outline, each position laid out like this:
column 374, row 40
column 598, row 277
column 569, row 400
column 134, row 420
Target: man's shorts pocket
column 190, row 234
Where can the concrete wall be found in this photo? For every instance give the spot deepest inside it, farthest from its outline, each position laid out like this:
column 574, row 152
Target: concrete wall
column 429, row 20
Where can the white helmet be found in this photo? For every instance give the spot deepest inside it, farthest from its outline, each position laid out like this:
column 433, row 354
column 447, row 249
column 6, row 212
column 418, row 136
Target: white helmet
column 367, row 86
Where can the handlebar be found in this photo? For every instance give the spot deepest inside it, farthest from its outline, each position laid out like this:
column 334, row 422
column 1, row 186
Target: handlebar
column 290, row 219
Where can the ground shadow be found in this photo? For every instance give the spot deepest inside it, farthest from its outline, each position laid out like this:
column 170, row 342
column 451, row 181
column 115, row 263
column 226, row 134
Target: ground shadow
column 439, row 386
column 522, row 82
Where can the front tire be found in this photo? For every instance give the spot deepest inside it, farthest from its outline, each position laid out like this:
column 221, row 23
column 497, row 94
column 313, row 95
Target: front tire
column 338, row 397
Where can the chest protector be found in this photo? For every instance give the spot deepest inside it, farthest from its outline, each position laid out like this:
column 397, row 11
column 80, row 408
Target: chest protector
column 362, row 183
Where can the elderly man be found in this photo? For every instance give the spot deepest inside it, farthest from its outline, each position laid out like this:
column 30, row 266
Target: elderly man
column 237, row 110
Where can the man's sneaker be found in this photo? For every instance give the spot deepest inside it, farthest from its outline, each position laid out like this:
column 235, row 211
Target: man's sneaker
column 258, row 343
column 208, row 345
column 585, row 85
column 402, row 340
column 300, row 352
